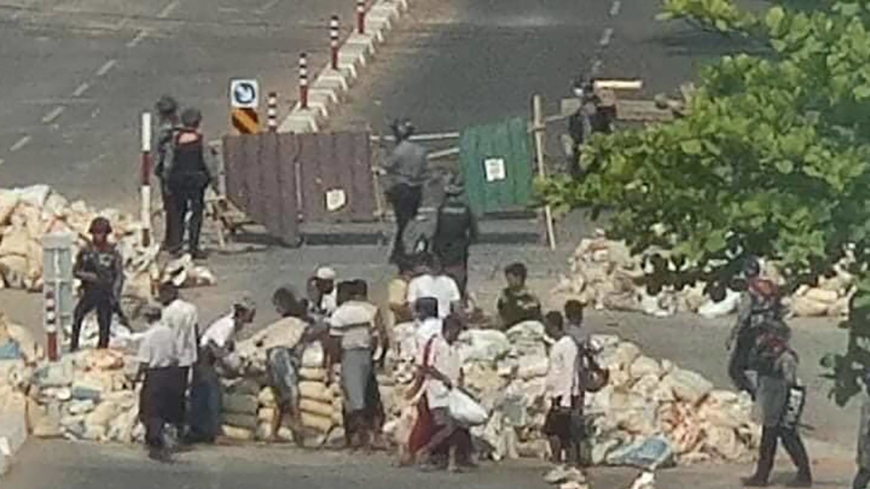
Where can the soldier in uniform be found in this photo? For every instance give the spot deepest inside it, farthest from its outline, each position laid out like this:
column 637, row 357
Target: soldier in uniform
column 406, row 170
column 100, row 268
column 455, row 231
column 167, row 125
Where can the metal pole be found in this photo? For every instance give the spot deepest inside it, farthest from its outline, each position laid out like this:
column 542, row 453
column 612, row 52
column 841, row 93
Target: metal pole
column 539, row 127
column 146, row 179
column 303, row 81
column 51, row 319
column 361, row 16
column 272, row 112
column 333, row 40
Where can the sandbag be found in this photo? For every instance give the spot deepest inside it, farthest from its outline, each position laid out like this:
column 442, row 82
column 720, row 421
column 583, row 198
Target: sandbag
column 316, row 407
column 266, row 397
column 239, row 403
column 533, row 366
column 726, row 306
column 465, row 410
column 320, row 423
column 8, row 202
column 313, row 356
column 267, row 414
column 315, row 374
column 240, row 434
column 317, row 391
column 688, row 386
column 822, row 295
column 246, row 421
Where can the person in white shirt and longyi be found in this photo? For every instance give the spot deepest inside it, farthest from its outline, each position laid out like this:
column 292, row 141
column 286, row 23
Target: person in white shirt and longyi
column 158, row 362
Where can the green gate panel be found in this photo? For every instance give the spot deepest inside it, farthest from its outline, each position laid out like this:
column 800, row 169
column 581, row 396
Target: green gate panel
column 496, row 162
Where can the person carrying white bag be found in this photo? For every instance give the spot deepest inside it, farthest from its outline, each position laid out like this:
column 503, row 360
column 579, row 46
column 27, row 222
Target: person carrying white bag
column 451, row 408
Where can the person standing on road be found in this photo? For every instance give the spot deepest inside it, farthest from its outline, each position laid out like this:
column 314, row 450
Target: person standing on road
column 167, row 125
column 761, row 299
column 187, row 176
column 406, row 170
column 100, row 268
column 563, row 390
column 455, row 231
column 183, row 319
column 158, row 365
column 215, row 347
column 780, row 410
column 862, row 478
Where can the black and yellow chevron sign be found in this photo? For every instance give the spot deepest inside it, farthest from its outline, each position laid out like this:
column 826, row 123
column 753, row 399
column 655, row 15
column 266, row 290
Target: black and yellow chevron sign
column 246, row 121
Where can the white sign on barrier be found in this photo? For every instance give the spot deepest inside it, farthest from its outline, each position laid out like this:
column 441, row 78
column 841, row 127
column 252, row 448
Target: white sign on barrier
column 244, row 94
column 494, row 169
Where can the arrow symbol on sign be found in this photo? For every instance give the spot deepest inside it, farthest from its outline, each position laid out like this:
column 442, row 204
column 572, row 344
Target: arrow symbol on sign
column 245, row 93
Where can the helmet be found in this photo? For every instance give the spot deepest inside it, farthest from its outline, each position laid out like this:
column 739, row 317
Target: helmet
column 166, row 105
column 191, row 117
column 403, row 129
column 100, row 225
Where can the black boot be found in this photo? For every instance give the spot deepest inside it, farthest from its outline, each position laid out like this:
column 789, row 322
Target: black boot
column 754, row 481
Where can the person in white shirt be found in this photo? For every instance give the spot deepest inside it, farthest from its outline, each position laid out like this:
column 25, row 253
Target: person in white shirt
column 158, row 362
column 428, row 324
column 443, row 372
column 182, row 318
column 563, row 390
column 353, row 326
column 205, row 391
column 431, row 282
column 325, row 280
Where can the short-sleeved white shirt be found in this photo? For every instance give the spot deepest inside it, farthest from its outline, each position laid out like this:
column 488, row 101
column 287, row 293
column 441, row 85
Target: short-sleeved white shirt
column 353, row 322
column 562, row 376
column 444, row 358
column 441, row 287
column 157, row 349
column 181, row 317
column 425, row 331
column 220, row 332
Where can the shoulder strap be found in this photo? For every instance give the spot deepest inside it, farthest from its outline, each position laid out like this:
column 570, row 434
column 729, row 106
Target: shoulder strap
column 427, row 350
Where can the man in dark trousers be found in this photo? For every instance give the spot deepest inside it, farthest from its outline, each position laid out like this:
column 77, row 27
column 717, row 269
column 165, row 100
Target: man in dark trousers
column 406, row 172
column 157, row 368
column 167, row 125
column 455, row 231
column 100, row 268
column 186, row 173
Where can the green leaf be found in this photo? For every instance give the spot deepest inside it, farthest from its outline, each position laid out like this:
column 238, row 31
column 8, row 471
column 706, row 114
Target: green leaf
column 861, row 92
column 784, row 166
column 774, row 18
column 691, row 147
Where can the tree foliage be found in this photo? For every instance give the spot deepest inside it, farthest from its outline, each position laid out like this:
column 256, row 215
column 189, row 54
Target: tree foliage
column 771, row 160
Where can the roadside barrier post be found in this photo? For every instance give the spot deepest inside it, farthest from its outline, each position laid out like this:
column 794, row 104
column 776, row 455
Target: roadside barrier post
column 361, row 16
column 303, row 81
column 145, row 215
column 333, row 40
column 272, row 112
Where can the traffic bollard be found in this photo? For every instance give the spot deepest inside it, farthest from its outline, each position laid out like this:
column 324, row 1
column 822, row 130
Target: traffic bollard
column 303, row 81
column 146, row 179
column 272, row 112
column 333, row 40
column 361, row 16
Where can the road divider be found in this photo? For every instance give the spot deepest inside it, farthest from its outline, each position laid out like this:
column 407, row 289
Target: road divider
column 327, row 89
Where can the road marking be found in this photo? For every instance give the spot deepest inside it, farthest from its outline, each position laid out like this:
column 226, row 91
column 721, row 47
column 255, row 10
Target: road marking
column 614, row 8
column 81, row 89
column 108, row 65
column 1, row 161
column 140, row 36
column 606, row 36
column 267, row 6
column 230, row 10
column 168, row 9
column 54, row 114
column 19, row 144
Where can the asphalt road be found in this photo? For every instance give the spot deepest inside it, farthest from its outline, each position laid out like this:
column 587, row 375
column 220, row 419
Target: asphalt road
column 77, row 73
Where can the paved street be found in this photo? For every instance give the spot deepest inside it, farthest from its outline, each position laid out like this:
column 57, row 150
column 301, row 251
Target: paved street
column 77, row 73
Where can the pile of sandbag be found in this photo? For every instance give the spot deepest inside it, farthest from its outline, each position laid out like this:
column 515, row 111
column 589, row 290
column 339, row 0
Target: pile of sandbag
column 87, row 395
column 28, row 214
column 605, row 274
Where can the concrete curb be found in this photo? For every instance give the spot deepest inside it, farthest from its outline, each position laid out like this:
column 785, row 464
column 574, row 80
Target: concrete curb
column 329, row 87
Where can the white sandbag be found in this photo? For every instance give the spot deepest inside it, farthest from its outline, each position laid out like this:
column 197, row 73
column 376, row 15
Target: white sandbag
column 315, row 374
column 483, row 344
column 321, row 424
column 245, row 421
column 240, row 434
column 34, row 196
column 643, row 366
column 267, row 397
column 533, row 366
column 821, row 295
column 806, row 307
column 317, row 391
column 688, row 386
column 8, row 201
column 265, row 432
column 267, row 414
column 466, row 410
column 315, row 407
column 726, row 306
column 313, row 356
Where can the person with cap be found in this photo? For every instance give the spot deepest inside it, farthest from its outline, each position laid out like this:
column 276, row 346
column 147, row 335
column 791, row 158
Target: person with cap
column 167, row 125
column 760, row 301
column 186, row 173
column 100, row 268
column 406, row 172
column 455, row 231
column 862, row 478
column 215, row 348
column 780, row 400
column 158, row 362
column 328, row 293
column 183, row 319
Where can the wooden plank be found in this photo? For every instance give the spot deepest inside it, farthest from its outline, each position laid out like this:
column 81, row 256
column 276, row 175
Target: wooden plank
column 270, row 190
column 253, row 179
column 309, row 172
column 340, row 148
column 288, row 149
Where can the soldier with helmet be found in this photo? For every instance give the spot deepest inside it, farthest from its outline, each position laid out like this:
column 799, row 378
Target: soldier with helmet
column 167, row 125
column 186, row 177
column 100, row 268
column 406, row 172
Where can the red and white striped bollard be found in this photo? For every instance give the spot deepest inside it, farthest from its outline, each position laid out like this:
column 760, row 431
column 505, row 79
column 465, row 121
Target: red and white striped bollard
column 145, row 215
column 272, row 112
column 333, row 40
column 361, row 16
column 303, row 81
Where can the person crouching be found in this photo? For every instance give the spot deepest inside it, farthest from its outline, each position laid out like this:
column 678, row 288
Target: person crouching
column 157, row 367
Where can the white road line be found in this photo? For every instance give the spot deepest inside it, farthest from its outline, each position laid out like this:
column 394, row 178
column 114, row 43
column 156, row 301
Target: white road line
column 19, row 144
column 108, row 65
column 614, row 8
column 168, row 9
column 140, row 36
column 1, row 161
column 267, row 6
column 606, row 36
column 230, row 10
column 54, row 114
column 81, row 89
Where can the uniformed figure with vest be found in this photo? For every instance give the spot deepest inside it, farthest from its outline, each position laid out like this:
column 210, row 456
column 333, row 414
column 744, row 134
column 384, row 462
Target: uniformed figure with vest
column 167, row 126
column 455, row 231
column 406, row 171
column 586, row 121
column 186, row 175
column 100, row 268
